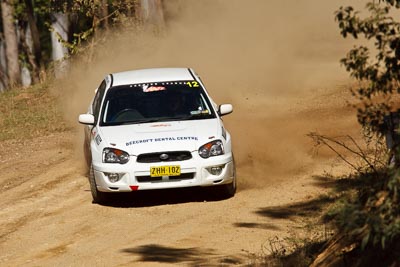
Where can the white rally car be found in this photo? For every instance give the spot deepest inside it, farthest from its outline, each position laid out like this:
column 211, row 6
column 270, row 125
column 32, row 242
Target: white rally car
column 155, row 129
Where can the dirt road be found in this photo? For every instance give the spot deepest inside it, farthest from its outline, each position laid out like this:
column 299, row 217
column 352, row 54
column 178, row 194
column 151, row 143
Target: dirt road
column 276, row 62
column 47, row 217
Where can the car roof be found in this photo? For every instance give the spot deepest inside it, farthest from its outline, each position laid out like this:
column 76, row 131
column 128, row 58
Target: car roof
column 152, row 75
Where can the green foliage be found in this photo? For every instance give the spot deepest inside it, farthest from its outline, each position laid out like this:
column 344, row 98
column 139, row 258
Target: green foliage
column 379, row 76
column 88, row 17
column 392, row 2
column 367, row 210
column 371, row 217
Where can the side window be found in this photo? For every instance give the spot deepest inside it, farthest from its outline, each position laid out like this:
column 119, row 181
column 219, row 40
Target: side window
column 97, row 99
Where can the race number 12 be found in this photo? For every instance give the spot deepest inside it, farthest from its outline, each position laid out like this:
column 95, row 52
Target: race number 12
column 193, row 84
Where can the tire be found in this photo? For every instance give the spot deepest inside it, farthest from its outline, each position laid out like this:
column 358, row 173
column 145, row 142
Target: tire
column 98, row 196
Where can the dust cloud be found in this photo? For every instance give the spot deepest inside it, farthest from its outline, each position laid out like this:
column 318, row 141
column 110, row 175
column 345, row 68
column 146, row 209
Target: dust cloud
column 277, row 62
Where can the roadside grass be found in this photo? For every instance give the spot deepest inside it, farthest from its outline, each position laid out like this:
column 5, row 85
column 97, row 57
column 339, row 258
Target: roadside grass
column 295, row 250
column 27, row 113
column 323, row 242
column 305, row 240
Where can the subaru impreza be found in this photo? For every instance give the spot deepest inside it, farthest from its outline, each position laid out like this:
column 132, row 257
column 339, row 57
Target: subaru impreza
column 156, row 129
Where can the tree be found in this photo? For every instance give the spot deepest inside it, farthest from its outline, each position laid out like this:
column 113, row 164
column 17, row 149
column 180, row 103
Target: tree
column 59, row 35
column 3, row 66
column 34, row 54
column 36, row 33
column 372, row 218
column 11, row 43
column 151, row 12
column 34, row 30
column 379, row 76
column 104, row 13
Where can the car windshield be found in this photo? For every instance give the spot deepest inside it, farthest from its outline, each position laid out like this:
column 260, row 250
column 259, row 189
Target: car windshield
column 165, row 101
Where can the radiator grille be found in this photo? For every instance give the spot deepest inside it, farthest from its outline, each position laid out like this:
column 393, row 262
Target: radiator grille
column 161, row 156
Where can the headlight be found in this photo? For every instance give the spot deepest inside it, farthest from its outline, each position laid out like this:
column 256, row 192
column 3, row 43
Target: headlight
column 112, row 155
column 214, row 148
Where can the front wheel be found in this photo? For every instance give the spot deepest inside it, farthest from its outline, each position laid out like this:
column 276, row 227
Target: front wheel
column 98, row 196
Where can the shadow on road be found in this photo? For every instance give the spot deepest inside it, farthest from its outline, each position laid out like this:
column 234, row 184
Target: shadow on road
column 266, row 226
column 189, row 256
column 310, row 208
column 303, row 209
column 315, row 206
column 338, row 184
column 163, row 197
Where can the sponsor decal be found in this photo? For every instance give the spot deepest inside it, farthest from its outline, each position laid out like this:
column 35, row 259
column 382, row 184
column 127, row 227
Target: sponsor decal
column 148, row 89
column 98, row 139
column 197, row 112
column 162, row 139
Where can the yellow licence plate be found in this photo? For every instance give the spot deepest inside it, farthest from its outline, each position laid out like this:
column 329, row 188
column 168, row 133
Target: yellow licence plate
column 165, row 171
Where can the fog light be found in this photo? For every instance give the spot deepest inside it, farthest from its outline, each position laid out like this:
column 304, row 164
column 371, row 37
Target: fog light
column 215, row 170
column 113, row 177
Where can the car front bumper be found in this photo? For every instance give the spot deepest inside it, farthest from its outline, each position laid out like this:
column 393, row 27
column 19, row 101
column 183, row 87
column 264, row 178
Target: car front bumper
column 136, row 176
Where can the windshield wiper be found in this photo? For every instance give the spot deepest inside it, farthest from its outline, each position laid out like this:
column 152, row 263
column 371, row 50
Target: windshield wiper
column 180, row 118
column 192, row 117
column 137, row 121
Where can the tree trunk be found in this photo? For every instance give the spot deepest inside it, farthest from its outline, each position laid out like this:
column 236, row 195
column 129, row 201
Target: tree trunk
column 3, row 65
column 104, row 14
column 60, row 27
column 10, row 37
column 27, row 46
column 151, row 12
column 34, row 32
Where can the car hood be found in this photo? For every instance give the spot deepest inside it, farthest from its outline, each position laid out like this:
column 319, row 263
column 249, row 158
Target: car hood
column 161, row 136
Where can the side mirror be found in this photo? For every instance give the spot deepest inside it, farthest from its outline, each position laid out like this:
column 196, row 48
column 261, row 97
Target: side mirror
column 87, row 119
column 225, row 109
